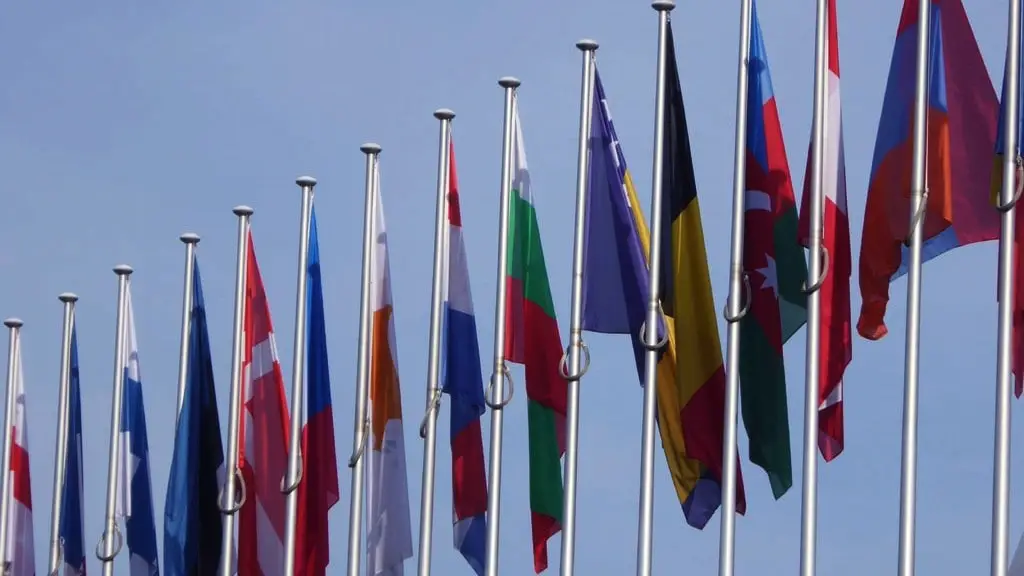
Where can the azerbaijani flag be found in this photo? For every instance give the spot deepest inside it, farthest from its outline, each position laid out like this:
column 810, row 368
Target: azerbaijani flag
column 463, row 382
column 532, row 339
column 962, row 110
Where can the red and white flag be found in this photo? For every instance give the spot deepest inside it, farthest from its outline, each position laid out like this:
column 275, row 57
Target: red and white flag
column 20, row 549
column 836, row 339
column 264, row 427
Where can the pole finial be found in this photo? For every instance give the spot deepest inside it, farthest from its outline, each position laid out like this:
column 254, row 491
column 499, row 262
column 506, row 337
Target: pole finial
column 663, row 5
column 306, row 181
column 68, row 297
column 189, row 238
column 587, row 45
column 370, row 148
column 242, row 210
column 509, row 82
column 13, row 323
column 123, row 270
column 444, row 114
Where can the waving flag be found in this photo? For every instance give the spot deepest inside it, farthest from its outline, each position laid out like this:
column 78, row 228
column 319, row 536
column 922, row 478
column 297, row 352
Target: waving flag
column 264, row 426
column 318, row 491
column 20, row 549
column 389, row 538
column 836, row 339
column 463, row 382
column 134, row 485
column 72, row 510
column 192, row 516
column 962, row 110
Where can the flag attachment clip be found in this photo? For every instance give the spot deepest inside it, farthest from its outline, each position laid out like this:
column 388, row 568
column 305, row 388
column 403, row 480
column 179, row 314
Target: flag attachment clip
column 288, row 489
column 432, row 408
column 118, row 542
column 563, row 366
column 821, row 279
column 239, row 501
column 1020, row 188
column 746, row 302
column 922, row 209
column 506, row 376
column 643, row 334
column 354, row 458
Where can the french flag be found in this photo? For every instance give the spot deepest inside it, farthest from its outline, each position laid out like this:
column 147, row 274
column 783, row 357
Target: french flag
column 463, row 383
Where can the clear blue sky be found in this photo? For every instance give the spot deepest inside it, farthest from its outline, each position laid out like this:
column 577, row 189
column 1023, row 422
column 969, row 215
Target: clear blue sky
column 123, row 127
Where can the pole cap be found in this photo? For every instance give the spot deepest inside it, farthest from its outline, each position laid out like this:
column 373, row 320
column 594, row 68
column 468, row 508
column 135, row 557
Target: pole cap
column 68, row 297
column 370, row 148
column 509, row 82
column 306, row 181
column 587, row 45
column 13, row 323
column 189, row 238
column 663, row 5
column 444, row 114
column 123, row 270
column 242, row 210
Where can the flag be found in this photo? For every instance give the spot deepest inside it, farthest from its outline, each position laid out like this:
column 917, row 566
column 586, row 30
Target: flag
column 134, row 485
column 192, row 516
column 20, row 549
column 532, row 339
column 774, row 263
column 1017, row 563
column 389, row 530
column 264, row 426
column 836, row 340
column 962, row 110
column 318, row 491
column 72, row 507
column 689, row 306
column 463, row 382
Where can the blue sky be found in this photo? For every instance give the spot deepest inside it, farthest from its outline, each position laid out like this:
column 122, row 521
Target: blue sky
column 123, row 127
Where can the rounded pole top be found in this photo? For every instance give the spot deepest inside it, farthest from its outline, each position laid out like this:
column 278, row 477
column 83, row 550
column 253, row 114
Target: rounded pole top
column 68, row 297
column 663, row 5
column 509, row 82
column 306, row 181
column 123, row 270
column 189, row 238
column 13, row 323
column 370, row 148
column 444, row 114
column 242, row 210
column 587, row 45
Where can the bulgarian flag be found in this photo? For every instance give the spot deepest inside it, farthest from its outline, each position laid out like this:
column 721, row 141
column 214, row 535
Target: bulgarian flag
column 532, row 339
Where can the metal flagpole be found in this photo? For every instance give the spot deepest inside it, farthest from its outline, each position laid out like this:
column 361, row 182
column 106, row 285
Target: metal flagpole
column 500, row 373
column 428, row 429
column 812, row 399
column 61, row 451
column 228, row 502
column 290, row 483
column 361, row 422
column 736, row 308
column 1004, row 363
column 918, row 207
column 13, row 369
column 111, row 540
column 576, row 359
column 649, row 336
column 190, row 240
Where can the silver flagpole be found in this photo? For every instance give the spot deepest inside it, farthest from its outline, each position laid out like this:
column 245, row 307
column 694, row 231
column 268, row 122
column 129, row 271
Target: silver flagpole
column 812, row 400
column 190, row 240
column 61, row 451
column 500, row 373
column 361, row 422
column 111, row 540
column 428, row 429
column 918, row 207
column 645, row 529
column 736, row 308
column 576, row 359
column 229, row 502
column 13, row 369
column 1004, row 364
column 290, row 483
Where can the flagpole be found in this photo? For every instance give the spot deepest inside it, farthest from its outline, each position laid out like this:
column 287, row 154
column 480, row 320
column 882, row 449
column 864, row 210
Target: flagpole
column 111, row 540
column 61, row 450
column 13, row 367
column 573, row 366
column 428, row 430
column 736, row 308
column 1004, row 364
column 290, row 483
column 812, row 396
column 500, row 373
column 361, row 422
column 918, row 208
column 190, row 240
column 228, row 502
column 645, row 530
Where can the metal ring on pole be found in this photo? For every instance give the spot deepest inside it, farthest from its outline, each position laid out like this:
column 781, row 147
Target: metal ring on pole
column 361, row 448
column 118, row 543
column 651, row 347
column 821, row 277
column 918, row 217
column 432, row 408
column 746, row 304
column 1019, row 173
column 294, row 485
column 563, row 366
column 506, row 377
column 239, row 501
